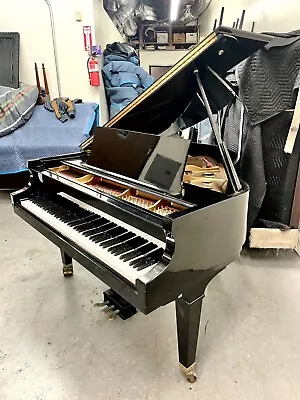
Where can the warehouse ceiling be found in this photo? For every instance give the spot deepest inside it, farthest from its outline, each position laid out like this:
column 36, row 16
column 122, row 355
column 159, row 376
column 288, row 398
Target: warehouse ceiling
column 127, row 14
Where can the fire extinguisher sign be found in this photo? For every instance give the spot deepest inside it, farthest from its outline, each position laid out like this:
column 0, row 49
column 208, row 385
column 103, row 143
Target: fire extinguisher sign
column 87, row 37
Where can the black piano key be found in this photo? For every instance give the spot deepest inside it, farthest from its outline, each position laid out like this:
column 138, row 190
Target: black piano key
column 118, row 230
column 98, row 238
column 91, row 232
column 83, row 227
column 138, row 252
column 73, row 208
column 80, row 214
column 86, row 226
column 79, row 221
column 99, row 222
column 110, row 234
column 65, row 204
column 55, row 208
column 145, row 263
column 138, row 262
column 95, row 230
column 107, row 234
column 118, row 240
column 152, row 258
column 102, row 237
column 129, row 245
column 69, row 217
column 66, row 218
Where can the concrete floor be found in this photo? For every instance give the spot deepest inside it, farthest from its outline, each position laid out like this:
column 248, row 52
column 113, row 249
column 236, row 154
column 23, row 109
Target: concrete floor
column 55, row 345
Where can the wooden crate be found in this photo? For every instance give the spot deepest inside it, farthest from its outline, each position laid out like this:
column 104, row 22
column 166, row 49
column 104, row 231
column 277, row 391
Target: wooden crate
column 265, row 238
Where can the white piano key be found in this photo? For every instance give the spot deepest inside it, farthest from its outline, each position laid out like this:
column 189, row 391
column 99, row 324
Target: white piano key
column 95, row 249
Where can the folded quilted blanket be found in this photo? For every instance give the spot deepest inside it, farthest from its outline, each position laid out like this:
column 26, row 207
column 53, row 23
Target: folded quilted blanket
column 16, row 107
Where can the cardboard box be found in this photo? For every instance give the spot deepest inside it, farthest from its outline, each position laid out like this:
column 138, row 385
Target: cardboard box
column 179, row 37
column 191, row 37
column 162, row 37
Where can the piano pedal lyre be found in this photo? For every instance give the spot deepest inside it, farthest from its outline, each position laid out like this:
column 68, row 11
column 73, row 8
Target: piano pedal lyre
column 116, row 305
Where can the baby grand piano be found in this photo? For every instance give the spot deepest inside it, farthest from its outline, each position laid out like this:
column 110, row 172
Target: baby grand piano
column 120, row 208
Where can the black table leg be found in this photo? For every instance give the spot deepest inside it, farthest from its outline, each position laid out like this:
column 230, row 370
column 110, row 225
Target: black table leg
column 188, row 314
column 67, row 264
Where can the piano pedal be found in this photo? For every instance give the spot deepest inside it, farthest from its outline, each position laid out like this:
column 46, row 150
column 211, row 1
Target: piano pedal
column 117, row 305
column 189, row 373
column 113, row 315
column 107, row 309
column 103, row 304
column 68, row 269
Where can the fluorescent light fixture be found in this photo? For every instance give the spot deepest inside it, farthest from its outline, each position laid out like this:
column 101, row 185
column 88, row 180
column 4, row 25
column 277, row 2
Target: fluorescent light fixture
column 174, row 9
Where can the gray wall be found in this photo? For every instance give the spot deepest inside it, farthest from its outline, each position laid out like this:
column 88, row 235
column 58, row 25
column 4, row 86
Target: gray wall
column 269, row 15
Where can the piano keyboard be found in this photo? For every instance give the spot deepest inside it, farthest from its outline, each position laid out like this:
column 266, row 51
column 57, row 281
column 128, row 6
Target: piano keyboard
column 125, row 249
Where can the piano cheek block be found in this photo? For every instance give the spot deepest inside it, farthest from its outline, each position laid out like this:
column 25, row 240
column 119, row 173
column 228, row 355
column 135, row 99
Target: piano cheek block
column 128, row 217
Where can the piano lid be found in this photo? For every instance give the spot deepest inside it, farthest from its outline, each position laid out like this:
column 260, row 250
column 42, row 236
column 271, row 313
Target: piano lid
column 172, row 94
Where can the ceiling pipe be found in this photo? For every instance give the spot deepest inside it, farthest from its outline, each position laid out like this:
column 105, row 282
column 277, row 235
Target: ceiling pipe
column 54, row 46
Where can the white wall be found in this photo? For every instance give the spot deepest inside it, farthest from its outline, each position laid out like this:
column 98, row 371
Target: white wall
column 269, row 15
column 160, row 57
column 31, row 19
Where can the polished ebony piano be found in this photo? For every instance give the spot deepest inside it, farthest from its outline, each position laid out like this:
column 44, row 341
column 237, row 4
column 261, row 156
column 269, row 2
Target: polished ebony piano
column 121, row 208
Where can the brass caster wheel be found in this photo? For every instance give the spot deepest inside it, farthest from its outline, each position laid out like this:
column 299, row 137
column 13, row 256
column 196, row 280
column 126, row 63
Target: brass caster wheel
column 189, row 373
column 68, row 270
column 191, row 378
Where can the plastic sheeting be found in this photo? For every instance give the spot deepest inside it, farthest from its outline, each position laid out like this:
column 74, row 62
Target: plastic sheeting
column 192, row 12
column 124, row 14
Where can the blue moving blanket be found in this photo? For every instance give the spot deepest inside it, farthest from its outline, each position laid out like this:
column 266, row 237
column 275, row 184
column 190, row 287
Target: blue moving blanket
column 45, row 136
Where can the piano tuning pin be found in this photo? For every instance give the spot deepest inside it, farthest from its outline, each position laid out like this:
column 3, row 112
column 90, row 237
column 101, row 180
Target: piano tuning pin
column 105, row 303
column 114, row 314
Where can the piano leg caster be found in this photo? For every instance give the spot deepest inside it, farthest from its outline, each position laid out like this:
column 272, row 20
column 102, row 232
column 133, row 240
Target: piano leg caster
column 188, row 313
column 189, row 373
column 68, row 270
column 67, row 264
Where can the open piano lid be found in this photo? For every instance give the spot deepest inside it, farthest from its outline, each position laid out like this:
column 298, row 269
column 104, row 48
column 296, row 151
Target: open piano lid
column 176, row 91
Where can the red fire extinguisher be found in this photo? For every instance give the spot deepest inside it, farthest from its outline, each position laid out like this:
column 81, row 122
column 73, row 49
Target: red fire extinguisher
column 93, row 69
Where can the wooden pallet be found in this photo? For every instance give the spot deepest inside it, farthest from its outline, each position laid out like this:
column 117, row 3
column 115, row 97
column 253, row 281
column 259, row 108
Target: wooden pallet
column 265, row 238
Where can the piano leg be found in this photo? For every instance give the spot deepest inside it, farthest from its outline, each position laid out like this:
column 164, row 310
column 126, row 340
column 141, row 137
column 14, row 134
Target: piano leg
column 67, row 264
column 188, row 313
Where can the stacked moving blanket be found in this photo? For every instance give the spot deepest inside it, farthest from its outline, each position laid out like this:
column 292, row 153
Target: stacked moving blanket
column 16, row 107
